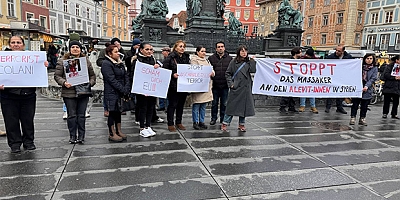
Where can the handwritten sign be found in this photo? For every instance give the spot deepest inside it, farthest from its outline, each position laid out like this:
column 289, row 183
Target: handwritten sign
column 23, row 69
column 193, row 78
column 328, row 78
column 76, row 71
column 149, row 81
column 396, row 70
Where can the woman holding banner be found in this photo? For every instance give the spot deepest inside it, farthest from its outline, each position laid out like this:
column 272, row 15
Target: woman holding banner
column 145, row 103
column 369, row 76
column 76, row 105
column 176, row 99
column 18, row 106
column 391, row 88
column 200, row 100
column 240, row 99
column 116, row 87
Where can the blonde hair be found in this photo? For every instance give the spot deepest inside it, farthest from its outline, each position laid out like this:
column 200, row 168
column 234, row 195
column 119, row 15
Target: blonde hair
column 177, row 43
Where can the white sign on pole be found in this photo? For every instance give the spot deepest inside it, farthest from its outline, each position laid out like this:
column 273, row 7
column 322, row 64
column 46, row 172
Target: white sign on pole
column 76, row 71
column 329, row 78
column 193, row 78
column 149, row 81
column 23, row 69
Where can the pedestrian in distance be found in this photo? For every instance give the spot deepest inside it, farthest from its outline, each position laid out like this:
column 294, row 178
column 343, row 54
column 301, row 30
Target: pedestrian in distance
column 176, row 99
column 369, row 76
column 240, row 98
column 18, row 106
column 200, row 99
column 391, row 88
column 116, row 87
column 220, row 61
column 310, row 54
column 76, row 104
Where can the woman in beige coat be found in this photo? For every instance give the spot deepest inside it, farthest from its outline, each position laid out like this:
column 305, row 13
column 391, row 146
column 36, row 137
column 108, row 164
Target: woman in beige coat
column 199, row 100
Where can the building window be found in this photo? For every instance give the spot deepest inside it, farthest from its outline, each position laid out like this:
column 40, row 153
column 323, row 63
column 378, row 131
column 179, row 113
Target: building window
column 312, row 4
column 77, row 10
column 237, row 14
column 105, row 3
column 374, row 18
column 325, row 20
column 66, row 6
column 113, row 20
column 119, row 21
column 29, row 15
column 43, row 21
column 97, row 18
column 371, row 40
column 384, row 44
column 271, row 26
column 246, row 29
column 104, row 32
column 66, row 27
column 42, row 2
column 357, row 38
column 247, row 2
column 310, row 22
column 51, row 4
column 341, row 1
column 53, row 26
column 273, row 8
column 327, row 2
column 340, row 18
column 113, row 5
column 227, row 2
column 338, row 38
column 255, row 30
column 119, row 8
column 323, row 39
column 263, row 11
column 389, row 17
column 88, row 13
column 397, row 44
column 359, row 17
column 308, row 40
column 238, row 2
column 300, row 6
column 11, row 8
column 105, row 17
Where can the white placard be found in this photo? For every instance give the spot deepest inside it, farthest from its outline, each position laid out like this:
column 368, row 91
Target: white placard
column 76, row 71
column 149, row 81
column 396, row 70
column 193, row 78
column 23, row 69
column 327, row 78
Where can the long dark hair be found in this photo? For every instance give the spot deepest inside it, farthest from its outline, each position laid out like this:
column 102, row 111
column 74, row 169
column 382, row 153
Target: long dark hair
column 368, row 55
column 198, row 49
column 240, row 48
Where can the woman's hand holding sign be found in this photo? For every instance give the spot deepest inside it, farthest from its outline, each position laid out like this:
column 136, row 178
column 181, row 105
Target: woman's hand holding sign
column 156, row 66
column 1, row 87
column 67, row 85
column 176, row 75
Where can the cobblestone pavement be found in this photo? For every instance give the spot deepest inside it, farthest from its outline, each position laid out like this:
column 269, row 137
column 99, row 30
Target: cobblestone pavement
column 281, row 156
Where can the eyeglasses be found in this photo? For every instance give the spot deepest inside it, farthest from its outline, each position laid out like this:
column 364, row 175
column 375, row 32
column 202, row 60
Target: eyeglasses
column 148, row 49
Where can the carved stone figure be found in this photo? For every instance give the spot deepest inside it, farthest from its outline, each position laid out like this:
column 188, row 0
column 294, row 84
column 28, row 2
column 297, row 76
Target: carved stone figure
column 288, row 16
column 156, row 9
column 234, row 25
column 220, row 8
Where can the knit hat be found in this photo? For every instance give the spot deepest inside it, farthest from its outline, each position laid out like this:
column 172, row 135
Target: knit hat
column 310, row 52
column 74, row 42
column 135, row 42
column 115, row 40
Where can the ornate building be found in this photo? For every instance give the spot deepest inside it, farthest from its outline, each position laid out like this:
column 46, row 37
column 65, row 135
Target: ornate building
column 268, row 16
column 133, row 11
column 10, row 10
column 246, row 11
column 115, row 20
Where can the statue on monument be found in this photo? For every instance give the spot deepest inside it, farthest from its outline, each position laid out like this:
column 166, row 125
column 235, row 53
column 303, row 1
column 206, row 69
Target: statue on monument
column 155, row 9
column 220, row 8
column 196, row 7
column 234, row 25
column 288, row 16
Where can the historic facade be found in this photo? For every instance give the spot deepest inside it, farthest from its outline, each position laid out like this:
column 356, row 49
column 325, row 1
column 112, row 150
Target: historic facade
column 10, row 10
column 247, row 12
column 115, row 20
column 268, row 16
column 36, row 11
column 382, row 26
column 133, row 11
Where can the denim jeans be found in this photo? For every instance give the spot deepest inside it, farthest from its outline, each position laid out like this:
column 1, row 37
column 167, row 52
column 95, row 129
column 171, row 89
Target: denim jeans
column 198, row 112
column 228, row 120
column 163, row 103
column 76, row 108
column 64, row 107
column 303, row 102
column 220, row 96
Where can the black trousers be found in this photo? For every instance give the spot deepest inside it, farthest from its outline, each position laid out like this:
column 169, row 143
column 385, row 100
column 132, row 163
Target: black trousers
column 18, row 114
column 288, row 102
column 76, row 108
column 176, row 103
column 114, row 118
column 386, row 103
column 146, row 106
column 338, row 103
column 363, row 108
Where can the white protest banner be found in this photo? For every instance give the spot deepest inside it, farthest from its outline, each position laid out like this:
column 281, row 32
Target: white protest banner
column 327, row 78
column 23, row 69
column 396, row 70
column 149, row 81
column 193, row 78
column 76, row 71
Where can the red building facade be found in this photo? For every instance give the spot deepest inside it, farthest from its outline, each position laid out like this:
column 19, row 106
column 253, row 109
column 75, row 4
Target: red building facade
column 37, row 10
column 246, row 11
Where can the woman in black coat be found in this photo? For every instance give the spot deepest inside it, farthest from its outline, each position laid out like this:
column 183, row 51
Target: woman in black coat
column 116, row 86
column 391, row 88
column 176, row 99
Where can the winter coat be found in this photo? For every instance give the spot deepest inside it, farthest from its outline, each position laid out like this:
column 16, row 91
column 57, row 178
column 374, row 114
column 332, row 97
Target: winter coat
column 59, row 76
column 102, row 56
column 334, row 56
column 116, row 82
column 391, row 86
column 131, row 57
column 171, row 63
column 371, row 78
column 220, row 65
column 202, row 97
column 240, row 99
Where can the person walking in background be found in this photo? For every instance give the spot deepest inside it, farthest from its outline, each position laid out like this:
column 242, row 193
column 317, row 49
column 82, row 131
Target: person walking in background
column 391, row 88
column 369, row 76
column 76, row 105
column 200, row 99
column 220, row 61
column 240, row 98
column 116, row 87
column 310, row 54
column 290, row 101
column 176, row 99
column 18, row 106
column 340, row 53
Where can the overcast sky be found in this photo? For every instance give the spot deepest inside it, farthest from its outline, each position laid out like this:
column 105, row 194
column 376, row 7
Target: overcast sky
column 175, row 6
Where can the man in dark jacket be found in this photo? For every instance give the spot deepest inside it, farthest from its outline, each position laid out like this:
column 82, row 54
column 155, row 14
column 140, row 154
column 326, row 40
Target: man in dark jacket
column 340, row 53
column 220, row 61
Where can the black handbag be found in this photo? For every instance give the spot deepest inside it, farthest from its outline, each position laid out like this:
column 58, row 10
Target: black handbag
column 126, row 105
column 83, row 90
